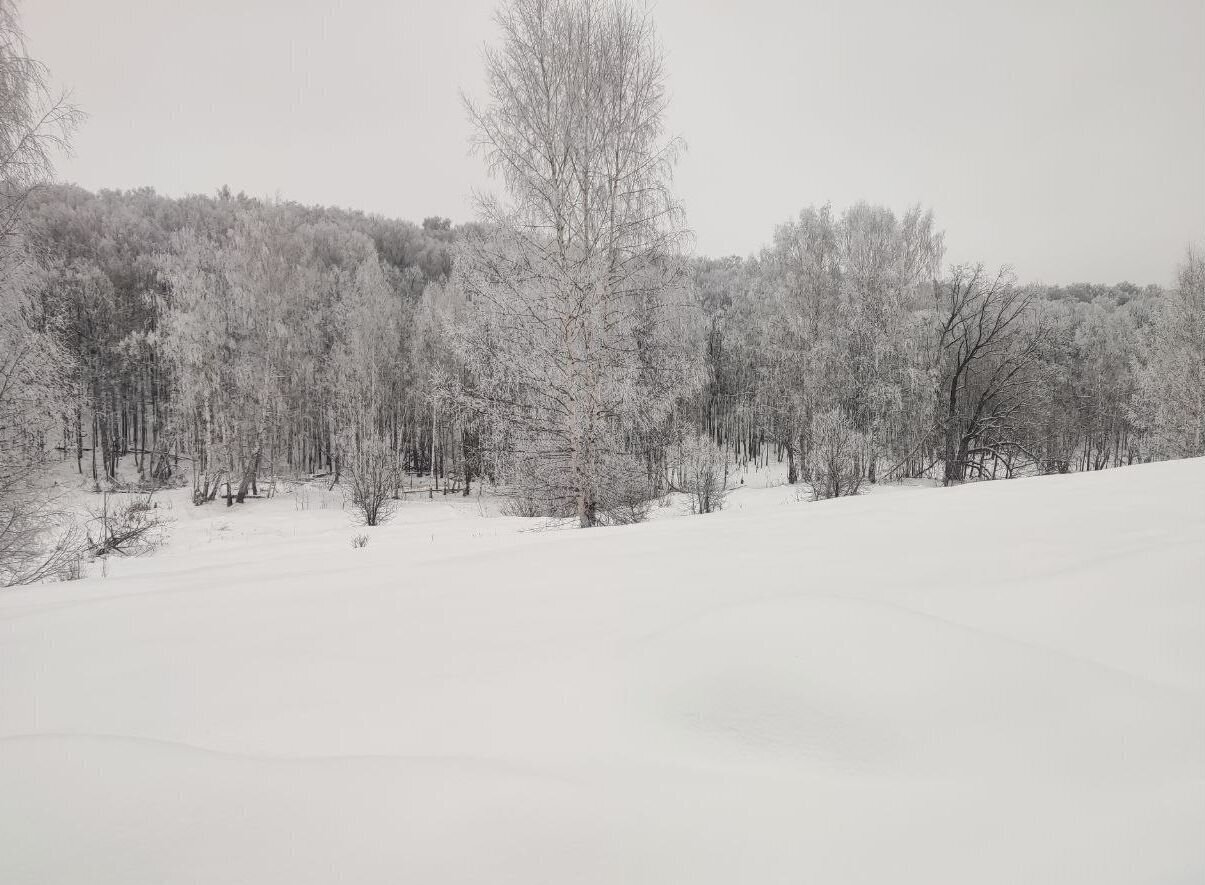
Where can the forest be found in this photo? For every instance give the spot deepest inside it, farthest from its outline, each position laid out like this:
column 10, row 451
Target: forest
column 565, row 349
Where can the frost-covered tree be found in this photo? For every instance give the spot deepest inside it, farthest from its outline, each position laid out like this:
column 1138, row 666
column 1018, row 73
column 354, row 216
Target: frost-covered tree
column 1084, row 419
column 104, row 277
column 35, row 123
column 803, row 365
column 1170, row 399
column 447, row 384
column 889, row 267
column 577, row 283
column 365, row 355
column 841, row 327
column 35, row 542
column 729, row 336
column 206, row 335
column 365, row 364
column 231, row 344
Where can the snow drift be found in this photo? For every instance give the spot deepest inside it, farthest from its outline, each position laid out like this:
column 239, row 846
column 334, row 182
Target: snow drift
column 997, row 683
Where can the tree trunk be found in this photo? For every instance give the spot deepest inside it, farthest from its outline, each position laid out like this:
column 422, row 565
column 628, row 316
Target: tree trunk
column 248, row 479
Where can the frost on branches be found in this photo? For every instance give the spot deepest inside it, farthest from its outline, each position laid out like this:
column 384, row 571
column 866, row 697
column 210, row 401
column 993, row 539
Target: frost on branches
column 35, row 543
column 576, row 346
column 1170, row 399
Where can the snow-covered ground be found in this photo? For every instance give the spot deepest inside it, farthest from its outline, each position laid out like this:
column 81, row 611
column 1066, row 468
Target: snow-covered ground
column 999, row 683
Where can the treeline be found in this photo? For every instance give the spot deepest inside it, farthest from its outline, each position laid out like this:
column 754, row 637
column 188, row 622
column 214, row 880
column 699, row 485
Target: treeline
column 963, row 372
column 227, row 335
column 228, row 339
column 565, row 346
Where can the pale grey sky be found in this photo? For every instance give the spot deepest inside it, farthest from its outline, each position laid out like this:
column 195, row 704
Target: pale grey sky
column 1065, row 138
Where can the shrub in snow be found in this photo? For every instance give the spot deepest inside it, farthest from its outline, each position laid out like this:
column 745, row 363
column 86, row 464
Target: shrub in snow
column 301, row 498
column 702, row 472
column 833, row 466
column 545, row 483
column 521, row 505
column 37, row 544
column 38, row 541
column 626, row 499
column 131, row 527
column 371, row 475
column 359, row 541
column 72, row 570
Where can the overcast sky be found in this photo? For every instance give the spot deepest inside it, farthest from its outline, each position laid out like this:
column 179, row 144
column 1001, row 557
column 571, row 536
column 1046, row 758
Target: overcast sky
column 1064, row 138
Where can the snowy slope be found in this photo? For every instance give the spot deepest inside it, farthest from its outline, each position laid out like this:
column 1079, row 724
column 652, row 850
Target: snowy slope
column 999, row 683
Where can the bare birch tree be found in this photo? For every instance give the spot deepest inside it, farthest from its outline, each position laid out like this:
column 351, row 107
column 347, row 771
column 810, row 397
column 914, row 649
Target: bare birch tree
column 35, row 124
column 364, row 363
column 578, row 284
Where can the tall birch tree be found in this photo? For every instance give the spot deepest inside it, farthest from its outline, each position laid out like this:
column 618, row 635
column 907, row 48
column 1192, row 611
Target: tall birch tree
column 35, row 124
column 577, row 282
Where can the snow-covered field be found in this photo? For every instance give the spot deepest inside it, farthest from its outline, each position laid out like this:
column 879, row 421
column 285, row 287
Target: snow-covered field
column 1000, row 683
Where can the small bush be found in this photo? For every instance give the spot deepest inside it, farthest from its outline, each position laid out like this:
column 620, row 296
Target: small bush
column 372, row 473
column 833, row 466
column 523, row 506
column 130, row 528
column 72, row 570
column 301, row 498
column 619, row 490
column 626, row 496
column 628, row 511
column 359, row 541
column 702, row 470
column 41, row 551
